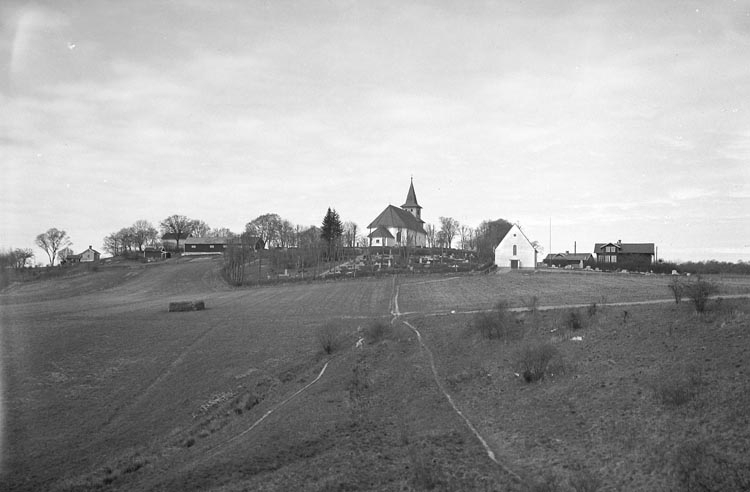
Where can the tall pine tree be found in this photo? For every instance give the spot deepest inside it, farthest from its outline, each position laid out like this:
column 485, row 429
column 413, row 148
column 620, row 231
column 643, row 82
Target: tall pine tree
column 331, row 231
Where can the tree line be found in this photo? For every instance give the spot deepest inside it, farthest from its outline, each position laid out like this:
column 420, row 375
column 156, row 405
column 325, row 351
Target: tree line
column 275, row 232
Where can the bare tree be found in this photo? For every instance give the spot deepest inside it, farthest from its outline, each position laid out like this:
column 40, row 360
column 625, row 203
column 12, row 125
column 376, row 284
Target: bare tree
column 287, row 234
column 64, row 253
column 465, row 236
column 52, row 241
column 179, row 225
column 350, row 234
column 220, row 232
column 266, row 227
column 15, row 258
column 200, row 228
column 431, row 232
column 143, row 233
column 449, row 227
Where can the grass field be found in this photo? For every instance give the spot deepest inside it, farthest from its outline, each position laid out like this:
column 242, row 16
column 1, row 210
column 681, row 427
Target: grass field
column 103, row 389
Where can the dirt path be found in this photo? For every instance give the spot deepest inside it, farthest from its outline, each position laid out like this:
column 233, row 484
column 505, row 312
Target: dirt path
column 571, row 306
column 397, row 316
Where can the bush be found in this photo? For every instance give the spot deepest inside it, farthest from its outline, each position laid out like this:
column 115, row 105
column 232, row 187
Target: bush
column 574, row 320
column 698, row 467
column 585, row 481
column 537, row 360
column 497, row 324
column 592, row 309
column 677, row 386
column 677, row 288
column 699, row 291
column 329, row 338
column 377, row 331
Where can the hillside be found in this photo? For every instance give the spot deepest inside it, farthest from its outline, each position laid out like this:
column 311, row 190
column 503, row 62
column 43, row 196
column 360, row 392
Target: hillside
column 106, row 390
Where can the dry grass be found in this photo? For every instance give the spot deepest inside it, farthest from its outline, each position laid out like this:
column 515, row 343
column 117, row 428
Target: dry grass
column 64, row 354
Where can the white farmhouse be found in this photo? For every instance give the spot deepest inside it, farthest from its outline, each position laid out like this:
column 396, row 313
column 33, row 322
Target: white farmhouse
column 90, row 255
column 515, row 250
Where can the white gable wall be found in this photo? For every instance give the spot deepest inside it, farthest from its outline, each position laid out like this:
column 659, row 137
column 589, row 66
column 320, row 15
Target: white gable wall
column 524, row 255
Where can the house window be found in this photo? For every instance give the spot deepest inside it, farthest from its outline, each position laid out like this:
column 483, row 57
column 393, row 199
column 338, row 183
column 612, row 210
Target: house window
column 610, row 258
column 515, row 250
column 211, row 246
column 192, row 246
column 609, row 249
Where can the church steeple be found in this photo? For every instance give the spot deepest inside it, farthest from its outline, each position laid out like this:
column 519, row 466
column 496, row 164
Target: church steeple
column 411, row 204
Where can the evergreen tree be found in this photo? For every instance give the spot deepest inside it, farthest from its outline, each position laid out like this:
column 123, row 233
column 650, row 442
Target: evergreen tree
column 332, row 230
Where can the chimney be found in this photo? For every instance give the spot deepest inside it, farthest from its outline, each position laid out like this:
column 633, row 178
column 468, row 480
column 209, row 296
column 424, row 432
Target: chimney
column 575, row 249
column 619, row 242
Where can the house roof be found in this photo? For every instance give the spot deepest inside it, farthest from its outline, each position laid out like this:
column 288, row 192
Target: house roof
column 569, row 256
column 628, row 248
column 381, row 231
column 397, row 217
column 90, row 249
column 171, row 236
column 207, row 240
column 411, row 198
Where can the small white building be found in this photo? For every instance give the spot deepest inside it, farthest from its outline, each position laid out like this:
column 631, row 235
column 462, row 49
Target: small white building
column 515, row 250
column 90, row 255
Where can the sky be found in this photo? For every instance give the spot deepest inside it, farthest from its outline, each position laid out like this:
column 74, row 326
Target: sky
column 582, row 121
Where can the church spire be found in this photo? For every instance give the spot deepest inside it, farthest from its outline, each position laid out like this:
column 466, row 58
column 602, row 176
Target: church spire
column 411, row 204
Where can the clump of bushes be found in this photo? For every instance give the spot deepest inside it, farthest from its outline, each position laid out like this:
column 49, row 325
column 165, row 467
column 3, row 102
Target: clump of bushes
column 574, row 320
column 377, row 331
column 699, row 291
column 499, row 323
column 677, row 386
column 697, row 466
column 677, row 288
column 592, row 309
column 329, row 338
column 585, row 481
column 538, row 360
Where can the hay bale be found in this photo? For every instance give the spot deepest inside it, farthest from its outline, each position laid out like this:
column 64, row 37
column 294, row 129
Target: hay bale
column 187, row 306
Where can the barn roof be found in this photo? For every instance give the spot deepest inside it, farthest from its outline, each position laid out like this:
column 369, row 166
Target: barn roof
column 628, row 248
column 397, row 217
column 171, row 236
column 569, row 256
column 208, row 240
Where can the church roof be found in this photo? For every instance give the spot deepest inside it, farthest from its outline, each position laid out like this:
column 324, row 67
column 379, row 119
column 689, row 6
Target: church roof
column 397, row 217
column 411, row 198
column 381, row 231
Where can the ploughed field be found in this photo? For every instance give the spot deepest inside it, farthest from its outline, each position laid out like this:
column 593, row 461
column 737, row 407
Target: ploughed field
column 104, row 389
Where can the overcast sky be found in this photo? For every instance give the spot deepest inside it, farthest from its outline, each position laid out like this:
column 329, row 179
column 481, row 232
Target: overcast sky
column 613, row 120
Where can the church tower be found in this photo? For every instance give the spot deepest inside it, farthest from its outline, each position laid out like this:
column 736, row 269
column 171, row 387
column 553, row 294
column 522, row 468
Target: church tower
column 411, row 204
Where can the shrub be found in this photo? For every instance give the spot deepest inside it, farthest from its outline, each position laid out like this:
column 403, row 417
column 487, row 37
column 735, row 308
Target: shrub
column 585, row 481
column 549, row 482
column 426, row 474
column 677, row 288
column 677, row 386
column 537, row 360
column 377, row 331
column 699, row 292
column 592, row 309
column 497, row 324
column 329, row 338
column 698, row 467
column 531, row 303
column 574, row 320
